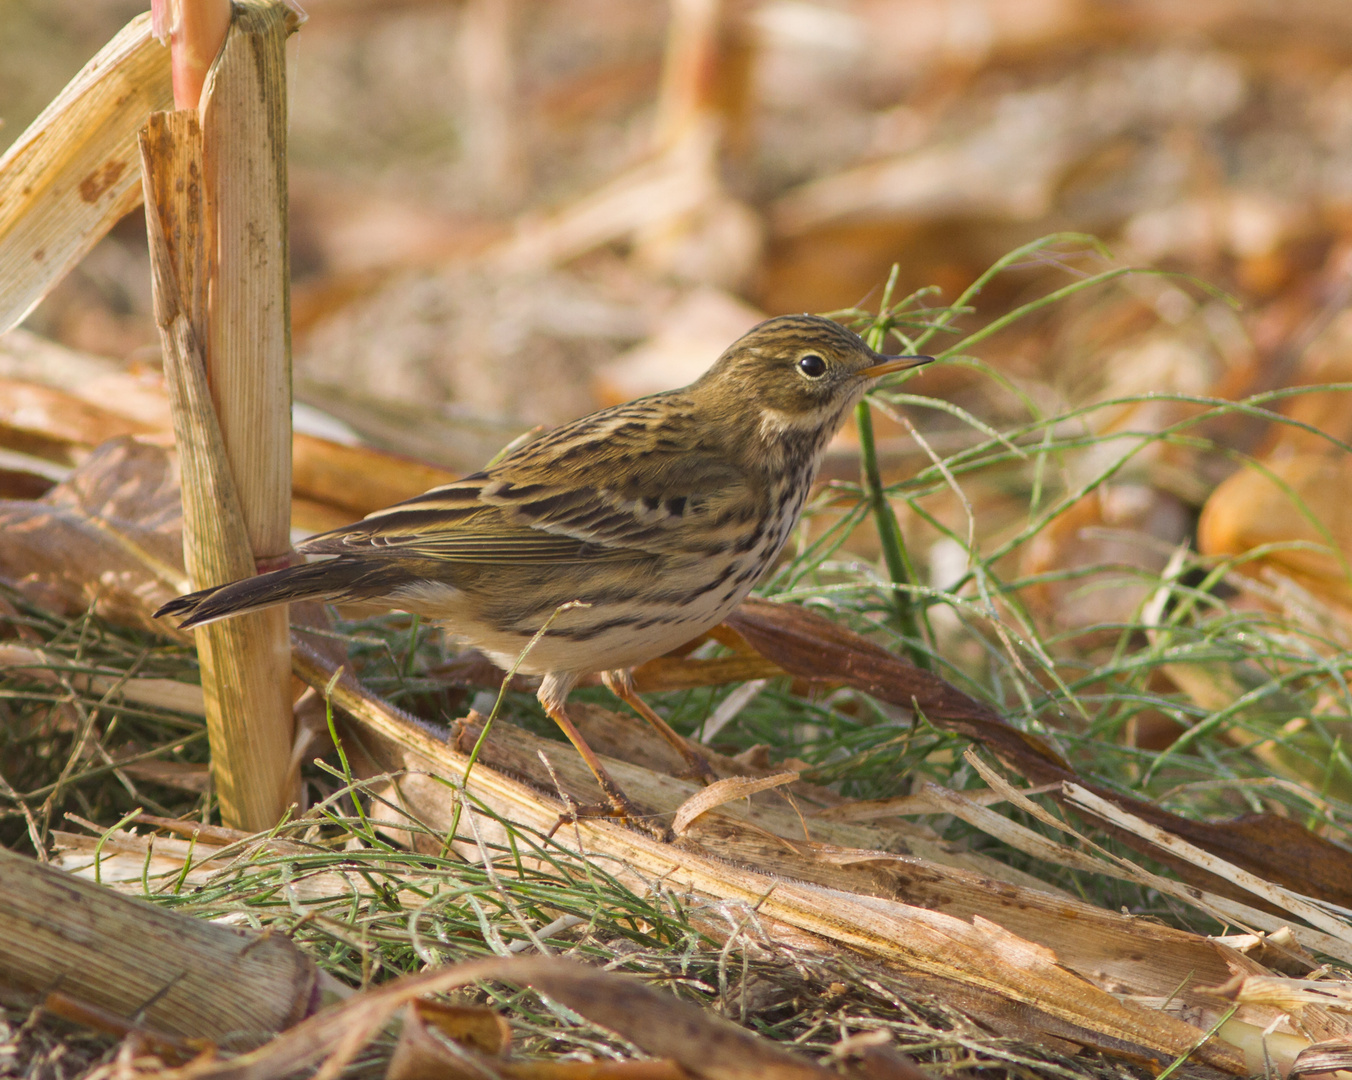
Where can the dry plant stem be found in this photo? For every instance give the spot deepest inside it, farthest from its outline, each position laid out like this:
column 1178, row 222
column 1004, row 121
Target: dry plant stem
column 691, row 68
column 73, row 174
column 978, row 955
column 488, row 66
column 248, row 343
column 181, row 976
column 244, row 674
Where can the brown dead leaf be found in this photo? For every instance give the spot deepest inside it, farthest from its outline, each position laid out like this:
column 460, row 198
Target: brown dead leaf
column 1299, row 502
column 1113, row 534
column 1279, row 849
column 481, row 1039
column 706, row 1045
column 106, row 538
column 420, row 1054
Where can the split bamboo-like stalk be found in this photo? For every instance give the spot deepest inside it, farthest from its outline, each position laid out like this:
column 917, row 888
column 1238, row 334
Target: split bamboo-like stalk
column 248, row 344
column 216, row 215
column 73, row 174
column 181, row 977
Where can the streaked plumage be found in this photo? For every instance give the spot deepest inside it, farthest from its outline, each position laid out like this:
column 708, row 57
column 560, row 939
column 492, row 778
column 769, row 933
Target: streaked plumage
column 659, row 515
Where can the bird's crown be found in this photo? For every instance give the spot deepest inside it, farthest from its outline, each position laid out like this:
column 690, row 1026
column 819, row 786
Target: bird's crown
column 796, row 365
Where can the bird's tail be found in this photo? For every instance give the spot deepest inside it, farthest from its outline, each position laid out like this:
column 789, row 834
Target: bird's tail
column 343, row 578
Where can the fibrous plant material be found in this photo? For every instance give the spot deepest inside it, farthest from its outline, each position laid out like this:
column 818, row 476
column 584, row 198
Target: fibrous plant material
column 180, row 977
column 76, row 170
column 980, row 955
column 229, row 374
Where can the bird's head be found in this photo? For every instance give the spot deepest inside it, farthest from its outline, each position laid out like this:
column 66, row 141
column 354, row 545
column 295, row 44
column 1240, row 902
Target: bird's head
column 797, row 375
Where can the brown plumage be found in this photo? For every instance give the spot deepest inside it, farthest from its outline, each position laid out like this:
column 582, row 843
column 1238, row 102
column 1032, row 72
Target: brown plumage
column 659, row 515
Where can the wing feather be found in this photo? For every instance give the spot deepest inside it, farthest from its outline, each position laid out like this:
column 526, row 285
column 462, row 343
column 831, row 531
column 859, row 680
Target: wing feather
column 612, row 485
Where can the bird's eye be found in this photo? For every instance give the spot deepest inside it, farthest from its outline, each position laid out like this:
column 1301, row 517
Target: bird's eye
column 812, row 365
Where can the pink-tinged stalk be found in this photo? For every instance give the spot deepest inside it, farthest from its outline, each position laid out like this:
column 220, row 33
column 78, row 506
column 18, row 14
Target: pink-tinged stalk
column 195, row 31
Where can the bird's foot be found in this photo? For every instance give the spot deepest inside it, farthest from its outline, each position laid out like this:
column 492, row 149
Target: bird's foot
column 626, row 814
column 617, row 807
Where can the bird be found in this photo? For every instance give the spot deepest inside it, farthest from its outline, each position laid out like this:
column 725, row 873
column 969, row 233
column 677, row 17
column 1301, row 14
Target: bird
column 610, row 540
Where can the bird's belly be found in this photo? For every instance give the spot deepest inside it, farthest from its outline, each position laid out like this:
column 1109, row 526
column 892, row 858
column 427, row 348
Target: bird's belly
column 620, row 632
column 619, row 622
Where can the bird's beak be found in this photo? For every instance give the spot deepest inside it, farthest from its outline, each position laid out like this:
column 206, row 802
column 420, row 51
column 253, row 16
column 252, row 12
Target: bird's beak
column 894, row 363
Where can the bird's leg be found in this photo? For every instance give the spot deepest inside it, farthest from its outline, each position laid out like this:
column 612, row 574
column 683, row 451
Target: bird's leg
column 621, row 684
column 553, row 693
column 617, row 802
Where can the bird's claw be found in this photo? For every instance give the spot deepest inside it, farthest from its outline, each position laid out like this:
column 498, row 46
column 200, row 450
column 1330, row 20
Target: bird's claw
column 622, row 810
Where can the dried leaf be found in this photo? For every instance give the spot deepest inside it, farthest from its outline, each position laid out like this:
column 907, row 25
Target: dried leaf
column 107, row 538
column 813, row 646
column 421, row 1055
column 708, row 1045
column 1297, row 503
column 724, row 791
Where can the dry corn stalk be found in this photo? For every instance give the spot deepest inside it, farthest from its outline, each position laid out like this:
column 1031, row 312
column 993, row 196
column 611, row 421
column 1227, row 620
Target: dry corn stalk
column 216, row 209
column 978, row 956
column 179, row 976
column 69, row 178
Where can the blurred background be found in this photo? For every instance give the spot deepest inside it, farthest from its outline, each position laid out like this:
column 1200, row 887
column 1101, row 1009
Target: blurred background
column 495, row 201
column 508, row 212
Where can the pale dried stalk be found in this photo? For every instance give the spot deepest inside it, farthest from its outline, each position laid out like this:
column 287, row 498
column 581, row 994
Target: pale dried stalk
column 247, row 699
column 177, row 975
column 696, row 39
column 42, row 666
column 1323, row 917
column 76, row 170
column 977, row 954
column 1091, row 858
column 248, row 343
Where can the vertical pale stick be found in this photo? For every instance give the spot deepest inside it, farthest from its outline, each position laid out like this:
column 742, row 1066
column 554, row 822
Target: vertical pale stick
column 248, row 344
column 216, row 214
column 248, row 706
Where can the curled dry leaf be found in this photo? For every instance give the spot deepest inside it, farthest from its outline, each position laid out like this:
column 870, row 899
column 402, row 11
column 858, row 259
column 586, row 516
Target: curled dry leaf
column 724, row 791
column 1299, row 504
column 106, row 538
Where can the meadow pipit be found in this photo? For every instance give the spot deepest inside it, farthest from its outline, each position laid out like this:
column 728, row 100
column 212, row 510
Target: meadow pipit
column 658, row 515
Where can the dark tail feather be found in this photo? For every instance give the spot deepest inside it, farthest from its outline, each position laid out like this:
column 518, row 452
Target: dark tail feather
column 334, row 579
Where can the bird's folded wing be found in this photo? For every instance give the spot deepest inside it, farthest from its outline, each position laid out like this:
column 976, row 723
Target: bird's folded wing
column 509, row 515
